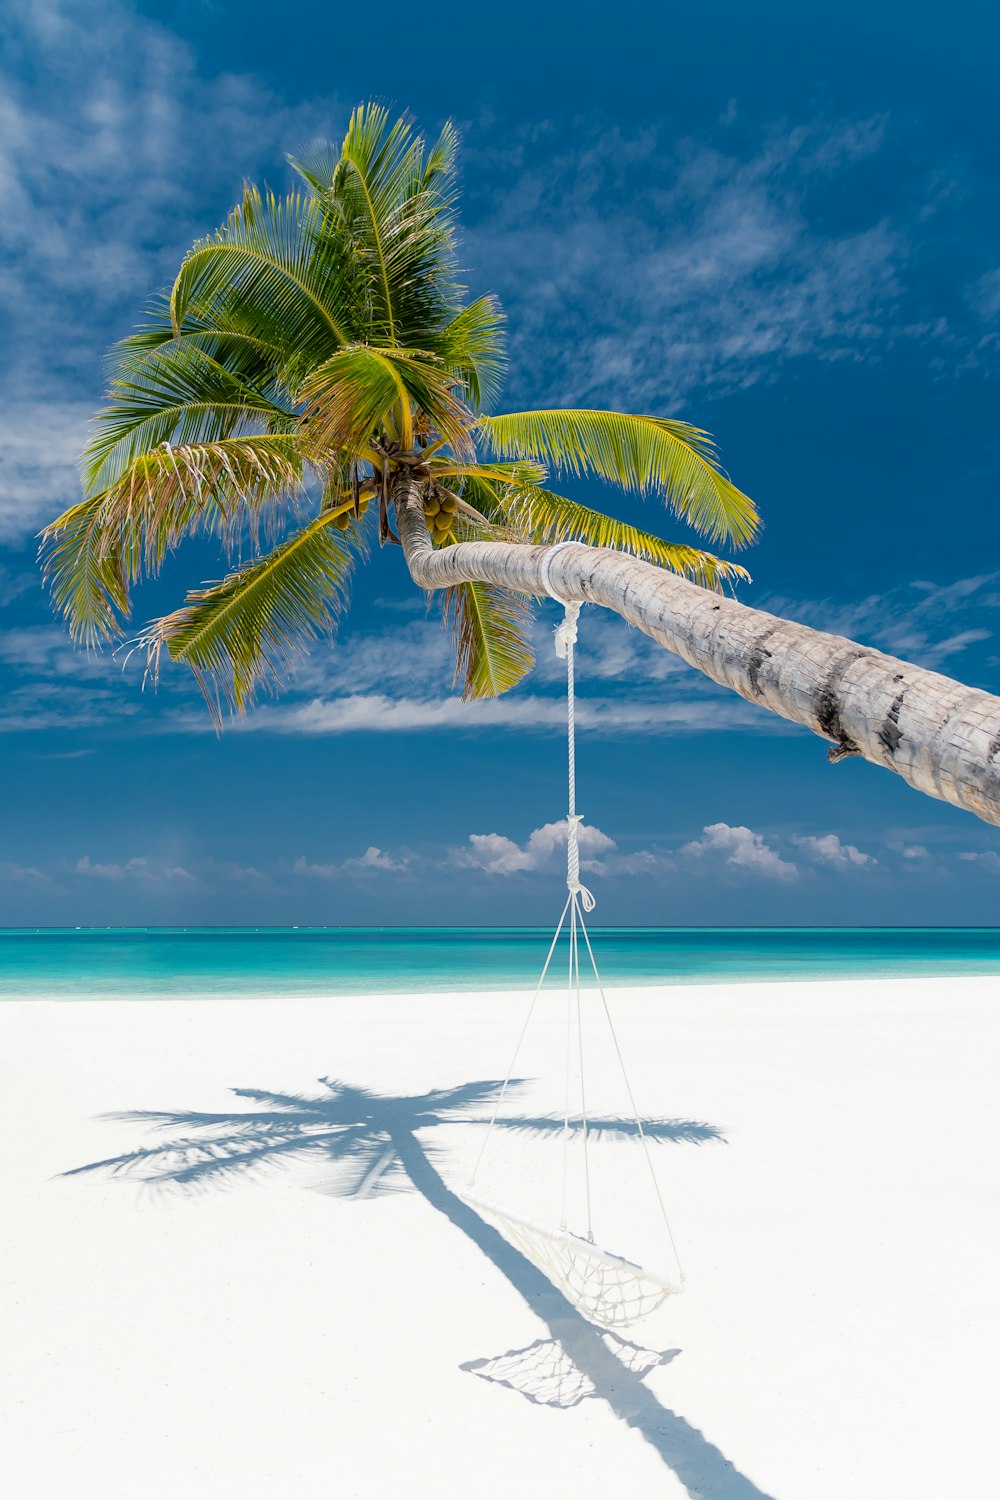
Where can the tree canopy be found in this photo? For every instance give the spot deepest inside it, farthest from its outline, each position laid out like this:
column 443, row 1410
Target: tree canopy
column 309, row 351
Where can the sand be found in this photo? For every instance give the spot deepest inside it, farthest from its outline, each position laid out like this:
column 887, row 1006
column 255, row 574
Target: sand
column 322, row 1317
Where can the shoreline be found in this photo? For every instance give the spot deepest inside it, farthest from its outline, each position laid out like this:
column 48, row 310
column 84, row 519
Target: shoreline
column 504, row 992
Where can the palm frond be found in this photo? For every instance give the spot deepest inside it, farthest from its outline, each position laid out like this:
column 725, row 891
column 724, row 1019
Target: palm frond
column 363, row 390
column 539, row 515
column 471, row 346
column 88, row 583
column 496, row 475
column 245, row 633
column 237, row 350
column 179, row 393
column 490, row 631
column 640, row 453
column 94, row 551
column 394, row 199
column 279, row 263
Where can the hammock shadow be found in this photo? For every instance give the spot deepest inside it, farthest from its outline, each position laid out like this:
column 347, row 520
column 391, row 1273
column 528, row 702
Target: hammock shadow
column 545, row 1374
column 364, row 1143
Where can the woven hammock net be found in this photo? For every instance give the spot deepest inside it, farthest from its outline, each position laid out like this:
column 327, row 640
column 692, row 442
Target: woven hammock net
column 610, row 1290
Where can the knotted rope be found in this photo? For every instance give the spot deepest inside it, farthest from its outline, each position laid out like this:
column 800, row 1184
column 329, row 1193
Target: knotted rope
column 566, row 634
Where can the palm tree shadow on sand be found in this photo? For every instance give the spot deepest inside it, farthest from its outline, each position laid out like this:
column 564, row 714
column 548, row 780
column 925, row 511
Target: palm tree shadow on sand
column 368, row 1143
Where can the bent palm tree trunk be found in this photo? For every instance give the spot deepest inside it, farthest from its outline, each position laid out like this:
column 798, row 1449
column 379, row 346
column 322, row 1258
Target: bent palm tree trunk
column 940, row 736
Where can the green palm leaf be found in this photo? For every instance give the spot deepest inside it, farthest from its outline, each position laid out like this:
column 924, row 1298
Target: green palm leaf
column 471, row 348
column 280, row 264
column 180, row 394
column 638, row 453
column 490, row 631
column 88, row 582
column 94, row 551
column 541, row 516
column 363, row 390
column 393, row 199
column 244, row 634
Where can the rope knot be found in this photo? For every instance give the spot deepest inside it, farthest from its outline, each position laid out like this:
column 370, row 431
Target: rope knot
column 573, row 885
column 566, row 631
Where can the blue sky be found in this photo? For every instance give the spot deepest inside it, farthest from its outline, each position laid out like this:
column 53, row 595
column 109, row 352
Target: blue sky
column 781, row 227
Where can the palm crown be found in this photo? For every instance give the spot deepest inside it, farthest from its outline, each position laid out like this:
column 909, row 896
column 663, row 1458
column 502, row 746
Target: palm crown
column 311, row 350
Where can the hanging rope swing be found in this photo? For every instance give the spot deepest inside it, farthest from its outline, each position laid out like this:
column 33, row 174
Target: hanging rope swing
column 607, row 1288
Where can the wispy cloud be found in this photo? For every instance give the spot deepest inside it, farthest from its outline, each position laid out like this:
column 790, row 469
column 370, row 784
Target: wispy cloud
column 379, row 714
column 986, row 859
column 691, row 265
column 139, row 867
column 10, row 870
column 923, row 621
column 104, row 116
column 16, row 581
column 396, row 681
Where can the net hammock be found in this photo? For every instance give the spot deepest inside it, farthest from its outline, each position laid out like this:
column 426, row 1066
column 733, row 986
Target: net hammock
column 609, row 1289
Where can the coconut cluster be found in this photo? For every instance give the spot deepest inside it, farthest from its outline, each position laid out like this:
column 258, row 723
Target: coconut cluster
column 440, row 512
column 344, row 520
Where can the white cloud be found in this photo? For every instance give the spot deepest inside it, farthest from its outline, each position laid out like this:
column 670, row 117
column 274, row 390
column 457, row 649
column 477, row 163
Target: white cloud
column 704, row 266
column 17, row 873
column 985, row 294
column 137, row 867
column 640, row 862
column 106, row 181
column 15, row 581
column 378, row 713
column 741, row 848
column 40, row 443
column 375, row 859
column 827, row 849
column 228, row 869
column 140, row 867
column 372, row 859
column 46, row 650
column 303, row 866
column 987, row 859
column 392, row 681
column 498, row 855
column 918, row 621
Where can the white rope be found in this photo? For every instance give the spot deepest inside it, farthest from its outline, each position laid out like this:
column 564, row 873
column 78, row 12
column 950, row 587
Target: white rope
column 546, row 570
column 625, row 1291
column 635, row 1108
column 517, row 1048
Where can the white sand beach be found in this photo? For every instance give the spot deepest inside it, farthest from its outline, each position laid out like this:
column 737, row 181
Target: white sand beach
column 331, row 1316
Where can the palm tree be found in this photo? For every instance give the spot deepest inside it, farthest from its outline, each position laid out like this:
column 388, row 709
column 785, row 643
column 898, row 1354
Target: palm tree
column 316, row 365
column 364, row 1143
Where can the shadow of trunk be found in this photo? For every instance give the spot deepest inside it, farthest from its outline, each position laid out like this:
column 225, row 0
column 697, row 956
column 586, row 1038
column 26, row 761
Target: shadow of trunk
column 704, row 1471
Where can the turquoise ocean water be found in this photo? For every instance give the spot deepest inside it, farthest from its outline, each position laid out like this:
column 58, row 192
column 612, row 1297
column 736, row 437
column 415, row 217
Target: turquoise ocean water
column 208, row 963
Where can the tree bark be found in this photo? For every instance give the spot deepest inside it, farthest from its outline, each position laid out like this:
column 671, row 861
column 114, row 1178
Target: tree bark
column 941, row 737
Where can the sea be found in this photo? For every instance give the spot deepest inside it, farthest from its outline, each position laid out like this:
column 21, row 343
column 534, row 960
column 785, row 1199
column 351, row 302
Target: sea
column 211, row 963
